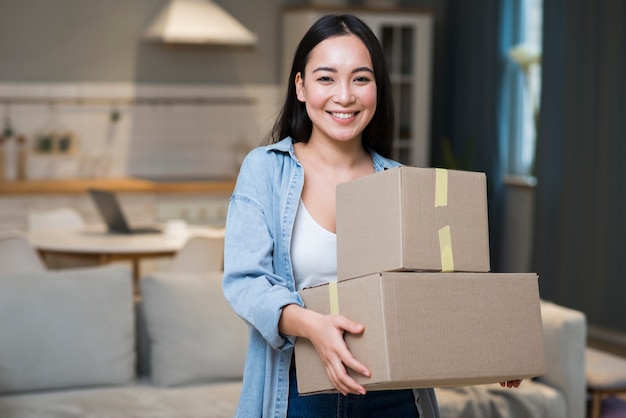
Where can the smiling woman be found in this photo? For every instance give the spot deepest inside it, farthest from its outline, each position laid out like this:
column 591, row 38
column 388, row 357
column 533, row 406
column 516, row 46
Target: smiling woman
column 406, row 37
column 294, row 120
column 336, row 125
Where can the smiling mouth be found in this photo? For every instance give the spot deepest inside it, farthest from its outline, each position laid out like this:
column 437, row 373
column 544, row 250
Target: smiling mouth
column 343, row 115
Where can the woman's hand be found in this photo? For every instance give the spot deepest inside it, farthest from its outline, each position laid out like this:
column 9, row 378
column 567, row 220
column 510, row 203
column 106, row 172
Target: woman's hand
column 511, row 383
column 326, row 334
column 327, row 338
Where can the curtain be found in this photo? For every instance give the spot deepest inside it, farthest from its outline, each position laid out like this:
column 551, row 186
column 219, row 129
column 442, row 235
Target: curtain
column 478, row 79
column 580, row 227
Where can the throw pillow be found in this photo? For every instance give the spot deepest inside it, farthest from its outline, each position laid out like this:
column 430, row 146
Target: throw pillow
column 66, row 328
column 194, row 334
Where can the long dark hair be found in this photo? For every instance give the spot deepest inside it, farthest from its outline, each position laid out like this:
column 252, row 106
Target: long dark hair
column 293, row 120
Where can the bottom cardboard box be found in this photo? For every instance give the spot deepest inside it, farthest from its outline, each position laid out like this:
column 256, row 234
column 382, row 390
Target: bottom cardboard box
column 432, row 329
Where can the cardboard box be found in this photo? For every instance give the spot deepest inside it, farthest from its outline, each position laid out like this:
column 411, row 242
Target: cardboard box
column 412, row 219
column 432, row 329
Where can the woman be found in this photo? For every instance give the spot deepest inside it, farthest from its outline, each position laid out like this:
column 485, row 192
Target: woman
column 335, row 126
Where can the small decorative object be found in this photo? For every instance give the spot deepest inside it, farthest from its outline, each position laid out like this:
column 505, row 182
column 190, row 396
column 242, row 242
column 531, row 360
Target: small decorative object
column 55, row 141
column 54, row 137
column 44, row 143
column 2, row 158
column 6, row 148
column 21, row 157
column 9, row 151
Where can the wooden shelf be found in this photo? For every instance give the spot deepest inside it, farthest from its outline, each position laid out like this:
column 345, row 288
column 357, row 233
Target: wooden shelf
column 79, row 186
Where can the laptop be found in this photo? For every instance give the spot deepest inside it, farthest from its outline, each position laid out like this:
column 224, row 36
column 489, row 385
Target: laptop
column 113, row 215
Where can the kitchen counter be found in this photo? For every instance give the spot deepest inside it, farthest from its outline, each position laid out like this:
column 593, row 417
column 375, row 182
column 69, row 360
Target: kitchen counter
column 79, row 186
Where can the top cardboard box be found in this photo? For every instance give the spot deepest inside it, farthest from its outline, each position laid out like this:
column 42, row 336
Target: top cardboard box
column 412, row 219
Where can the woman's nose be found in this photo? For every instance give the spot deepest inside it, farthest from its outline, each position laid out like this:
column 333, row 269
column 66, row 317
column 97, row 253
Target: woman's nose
column 344, row 93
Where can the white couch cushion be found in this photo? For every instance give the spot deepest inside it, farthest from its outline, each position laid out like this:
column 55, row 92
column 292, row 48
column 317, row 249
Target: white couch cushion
column 67, row 328
column 141, row 400
column 194, row 334
column 531, row 400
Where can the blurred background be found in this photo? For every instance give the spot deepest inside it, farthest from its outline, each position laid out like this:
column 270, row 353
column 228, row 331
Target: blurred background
column 533, row 93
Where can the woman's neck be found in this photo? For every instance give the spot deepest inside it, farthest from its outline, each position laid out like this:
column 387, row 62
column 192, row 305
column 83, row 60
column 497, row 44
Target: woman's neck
column 336, row 155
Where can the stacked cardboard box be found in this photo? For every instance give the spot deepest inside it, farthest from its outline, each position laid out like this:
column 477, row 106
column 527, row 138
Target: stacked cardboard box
column 413, row 268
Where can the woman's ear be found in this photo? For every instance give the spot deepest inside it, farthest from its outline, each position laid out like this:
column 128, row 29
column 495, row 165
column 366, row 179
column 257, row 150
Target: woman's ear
column 299, row 81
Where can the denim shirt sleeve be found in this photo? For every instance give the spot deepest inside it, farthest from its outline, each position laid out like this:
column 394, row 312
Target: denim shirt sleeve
column 255, row 283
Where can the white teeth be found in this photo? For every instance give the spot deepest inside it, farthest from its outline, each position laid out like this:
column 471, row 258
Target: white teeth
column 342, row 115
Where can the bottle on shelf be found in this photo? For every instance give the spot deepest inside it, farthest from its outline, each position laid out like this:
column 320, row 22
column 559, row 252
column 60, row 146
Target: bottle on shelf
column 21, row 158
column 2, row 158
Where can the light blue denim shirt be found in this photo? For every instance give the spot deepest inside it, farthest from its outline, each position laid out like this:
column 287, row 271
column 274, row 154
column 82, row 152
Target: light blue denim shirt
column 258, row 277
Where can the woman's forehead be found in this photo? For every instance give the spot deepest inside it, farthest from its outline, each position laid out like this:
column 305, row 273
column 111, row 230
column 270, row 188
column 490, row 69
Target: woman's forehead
column 339, row 52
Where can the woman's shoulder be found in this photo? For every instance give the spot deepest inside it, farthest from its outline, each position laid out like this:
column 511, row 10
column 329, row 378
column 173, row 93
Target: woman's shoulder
column 263, row 153
column 264, row 164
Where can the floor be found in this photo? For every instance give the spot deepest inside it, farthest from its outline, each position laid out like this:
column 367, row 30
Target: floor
column 614, row 407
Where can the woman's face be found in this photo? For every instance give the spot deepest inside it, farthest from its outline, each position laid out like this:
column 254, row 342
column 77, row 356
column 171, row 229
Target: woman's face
column 338, row 88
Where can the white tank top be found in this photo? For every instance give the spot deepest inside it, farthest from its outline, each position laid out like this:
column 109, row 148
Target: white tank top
column 313, row 251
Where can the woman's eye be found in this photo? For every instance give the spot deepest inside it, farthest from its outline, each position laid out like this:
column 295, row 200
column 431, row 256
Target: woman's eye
column 362, row 79
column 324, row 79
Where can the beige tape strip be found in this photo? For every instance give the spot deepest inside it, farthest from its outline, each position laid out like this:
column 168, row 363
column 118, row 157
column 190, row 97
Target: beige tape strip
column 445, row 249
column 441, row 187
column 334, row 298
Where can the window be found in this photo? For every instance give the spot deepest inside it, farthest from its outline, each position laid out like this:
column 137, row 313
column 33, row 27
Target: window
column 525, row 97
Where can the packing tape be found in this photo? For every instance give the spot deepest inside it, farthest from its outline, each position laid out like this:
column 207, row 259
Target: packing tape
column 445, row 249
column 334, row 298
column 441, row 187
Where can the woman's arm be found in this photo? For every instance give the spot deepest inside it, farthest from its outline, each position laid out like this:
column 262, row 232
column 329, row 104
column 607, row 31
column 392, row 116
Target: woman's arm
column 253, row 284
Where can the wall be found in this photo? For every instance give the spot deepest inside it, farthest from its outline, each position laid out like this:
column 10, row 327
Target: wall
column 89, row 40
column 94, row 50
column 124, row 129
column 82, row 41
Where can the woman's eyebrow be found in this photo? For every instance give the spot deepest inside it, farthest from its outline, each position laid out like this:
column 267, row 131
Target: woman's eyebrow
column 361, row 69
column 334, row 70
column 329, row 69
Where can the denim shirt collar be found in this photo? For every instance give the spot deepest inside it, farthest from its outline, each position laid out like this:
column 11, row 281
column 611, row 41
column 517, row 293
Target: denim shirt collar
column 286, row 145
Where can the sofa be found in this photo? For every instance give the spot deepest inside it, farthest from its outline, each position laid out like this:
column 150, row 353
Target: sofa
column 77, row 343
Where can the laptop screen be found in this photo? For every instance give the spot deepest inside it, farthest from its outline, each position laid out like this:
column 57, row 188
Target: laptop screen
column 110, row 210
